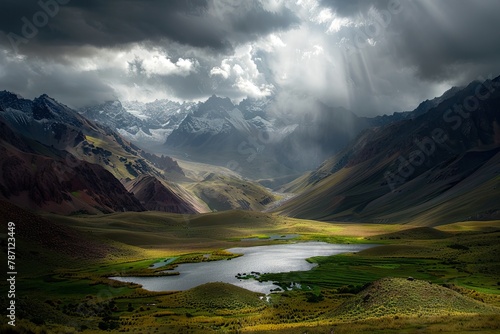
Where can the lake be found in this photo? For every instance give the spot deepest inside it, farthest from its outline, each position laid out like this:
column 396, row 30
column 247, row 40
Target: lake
column 262, row 259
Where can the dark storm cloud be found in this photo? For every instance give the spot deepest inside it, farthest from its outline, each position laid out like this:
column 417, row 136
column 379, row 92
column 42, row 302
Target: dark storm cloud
column 117, row 22
column 436, row 38
column 442, row 37
column 69, row 86
column 255, row 22
column 99, row 49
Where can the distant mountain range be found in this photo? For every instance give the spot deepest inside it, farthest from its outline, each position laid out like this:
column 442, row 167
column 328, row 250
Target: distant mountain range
column 218, row 132
column 143, row 123
column 55, row 159
column 249, row 137
column 439, row 164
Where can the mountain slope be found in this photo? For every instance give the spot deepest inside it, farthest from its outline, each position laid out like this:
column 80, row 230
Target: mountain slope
column 320, row 134
column 47, row 182
column 422, row 108
column 439, row 167
column 156, row 196
column 60, row 152
column 225, row 192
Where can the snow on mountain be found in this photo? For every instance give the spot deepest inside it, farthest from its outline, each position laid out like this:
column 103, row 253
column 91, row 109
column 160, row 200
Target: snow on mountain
column 220, row 123
column 112, row 114
column 255, row 107
column 155, row 136
column 142, row 123
column 160, row 112
column 215, row 118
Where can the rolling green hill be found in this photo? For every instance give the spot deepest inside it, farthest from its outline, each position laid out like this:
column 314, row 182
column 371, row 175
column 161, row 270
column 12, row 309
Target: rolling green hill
column 408, row 297
column 215, row 297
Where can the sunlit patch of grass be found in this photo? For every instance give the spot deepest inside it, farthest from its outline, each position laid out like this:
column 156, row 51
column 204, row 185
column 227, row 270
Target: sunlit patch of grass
column 471, row 226
column 403, row 297
column 251, row 236
column 335, row 239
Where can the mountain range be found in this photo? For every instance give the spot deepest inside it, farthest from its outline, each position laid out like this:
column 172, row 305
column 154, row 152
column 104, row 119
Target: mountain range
column 250, row 137
column 437, row 163
column 53, row 159
column 143, row 123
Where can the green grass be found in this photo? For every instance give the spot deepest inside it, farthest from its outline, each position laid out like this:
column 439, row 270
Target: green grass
column 118, row 268
column 212, row 297
column 67, row 289
column 402, row 297
column 337, row 239
column 183, row 233
column 339, row 271
column 474, row 265
column 464, row 256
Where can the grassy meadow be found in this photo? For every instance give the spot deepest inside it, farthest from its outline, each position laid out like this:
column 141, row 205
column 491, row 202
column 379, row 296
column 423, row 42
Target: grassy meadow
column 454, row 283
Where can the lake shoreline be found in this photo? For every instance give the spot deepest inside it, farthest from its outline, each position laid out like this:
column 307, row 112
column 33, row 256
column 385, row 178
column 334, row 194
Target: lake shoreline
column 276, row 258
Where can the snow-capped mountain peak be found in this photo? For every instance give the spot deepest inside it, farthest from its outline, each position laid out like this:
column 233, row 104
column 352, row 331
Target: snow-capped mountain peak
column 143, row 123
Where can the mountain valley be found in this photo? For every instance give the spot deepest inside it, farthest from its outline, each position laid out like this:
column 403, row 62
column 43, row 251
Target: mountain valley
column 108, row 192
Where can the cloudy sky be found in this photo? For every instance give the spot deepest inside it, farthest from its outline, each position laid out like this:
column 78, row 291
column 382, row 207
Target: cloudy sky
column 370, row 56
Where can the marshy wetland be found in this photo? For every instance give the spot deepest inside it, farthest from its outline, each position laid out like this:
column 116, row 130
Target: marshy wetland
column 243, row 270
column 455, row 271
